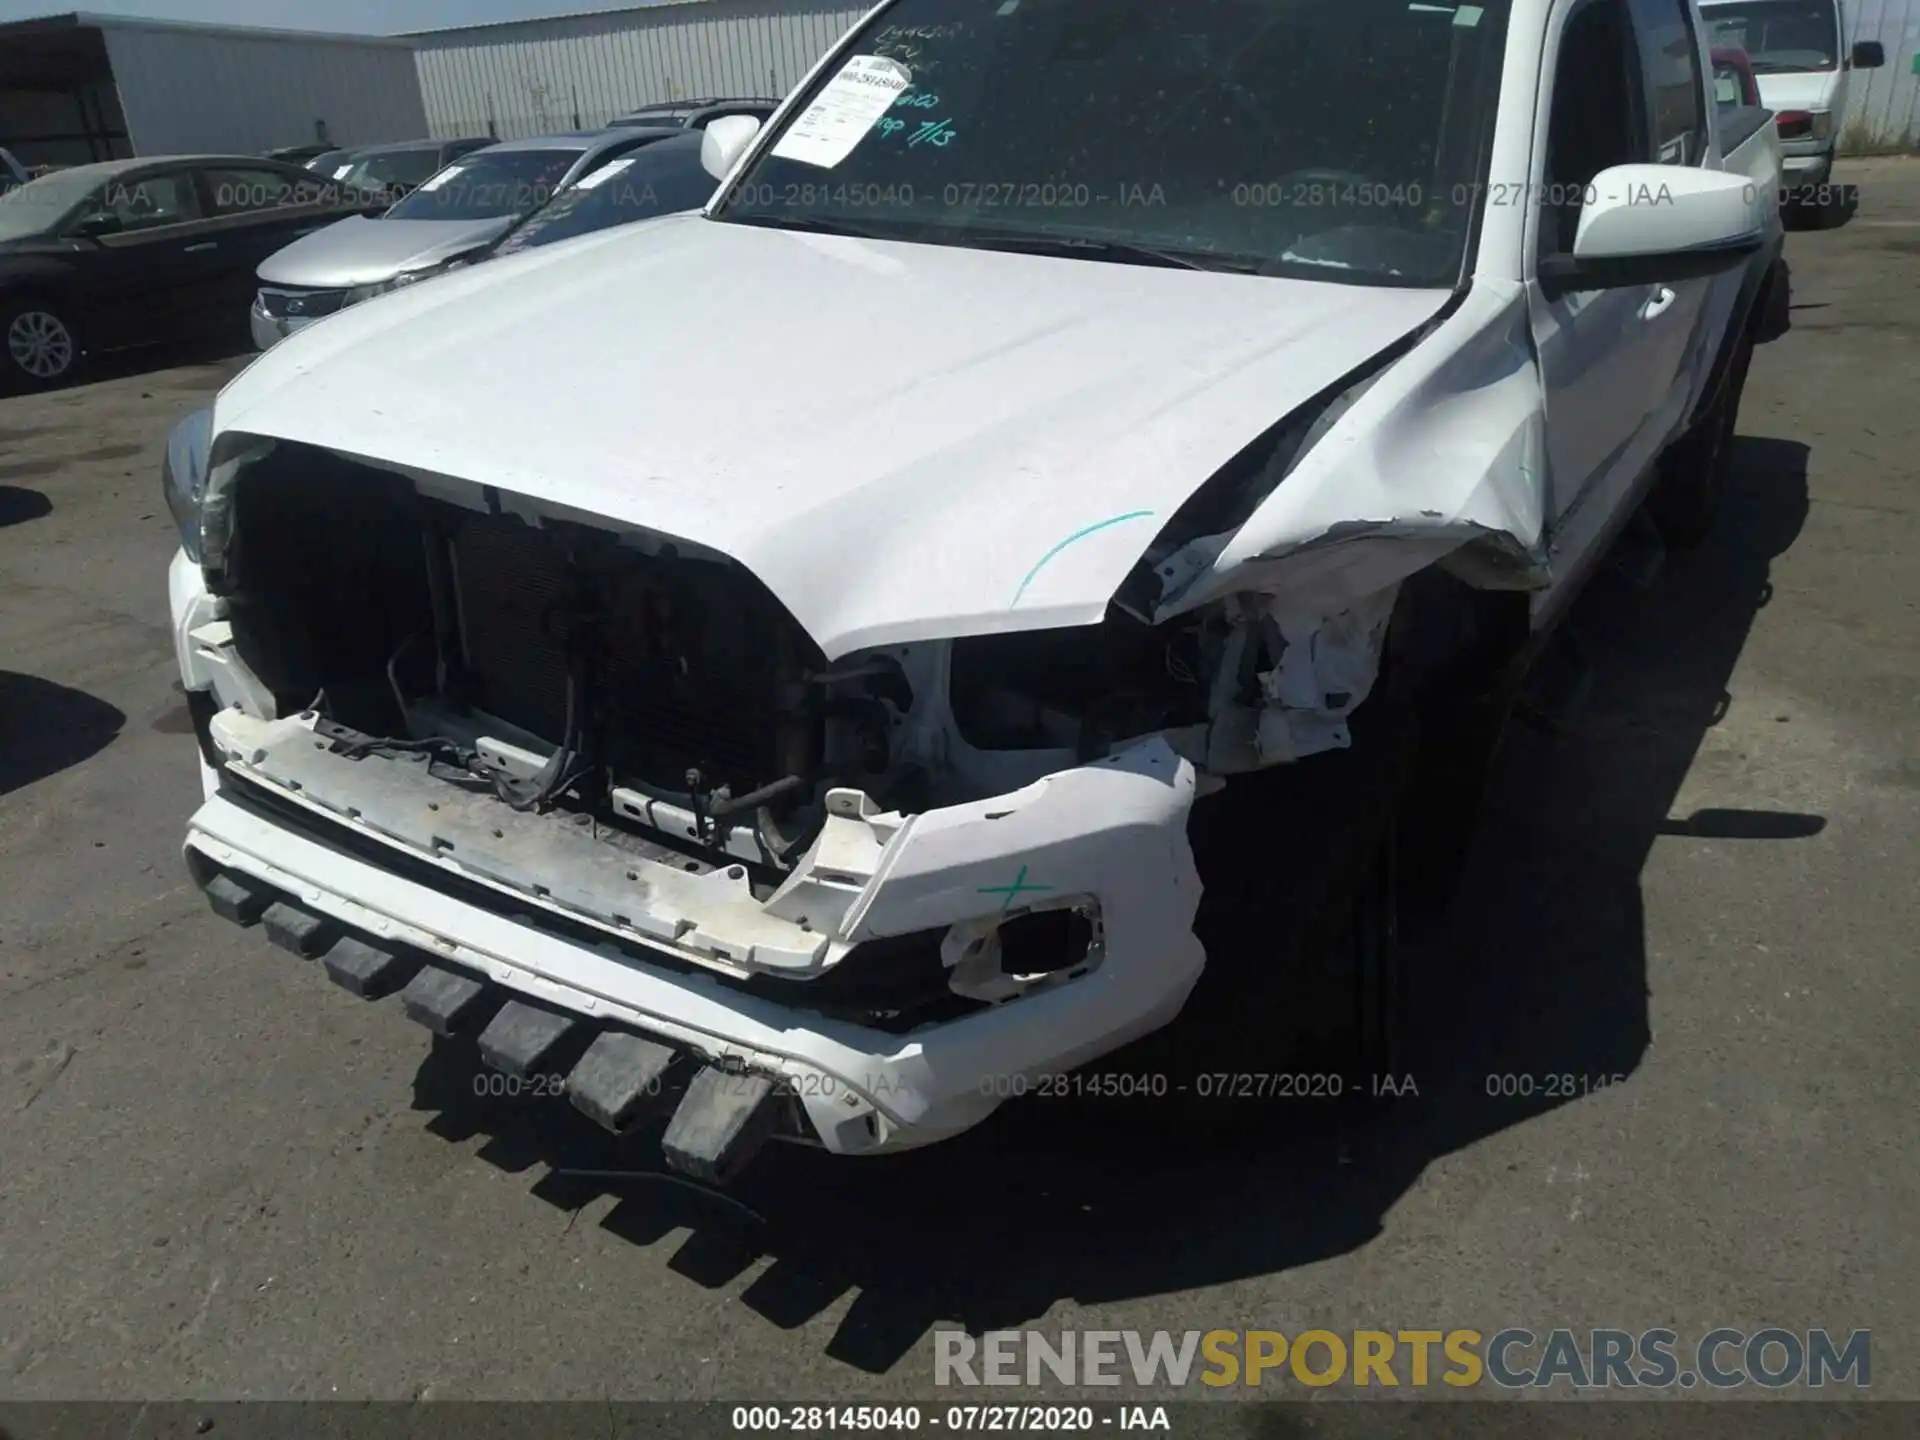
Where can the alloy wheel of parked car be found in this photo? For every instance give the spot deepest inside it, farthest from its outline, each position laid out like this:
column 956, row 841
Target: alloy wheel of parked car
column 40, row 345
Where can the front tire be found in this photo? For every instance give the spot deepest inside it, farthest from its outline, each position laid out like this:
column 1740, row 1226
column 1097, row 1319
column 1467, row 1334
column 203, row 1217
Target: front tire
column 39, row 347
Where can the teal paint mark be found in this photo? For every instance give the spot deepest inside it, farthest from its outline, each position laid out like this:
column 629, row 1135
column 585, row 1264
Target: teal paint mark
column 1071, row 539
column 1019, row 887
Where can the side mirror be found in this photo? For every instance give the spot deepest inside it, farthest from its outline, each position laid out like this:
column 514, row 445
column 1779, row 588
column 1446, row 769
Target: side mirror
column 1869, row 55
column 101, row 222
column 724, row 141
column 1654, row 224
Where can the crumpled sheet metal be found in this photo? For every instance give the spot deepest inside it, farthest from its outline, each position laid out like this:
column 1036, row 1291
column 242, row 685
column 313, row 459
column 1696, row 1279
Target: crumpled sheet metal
column 1441, row 461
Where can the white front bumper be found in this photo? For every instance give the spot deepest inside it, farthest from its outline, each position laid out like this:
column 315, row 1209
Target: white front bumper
column 1113, row 831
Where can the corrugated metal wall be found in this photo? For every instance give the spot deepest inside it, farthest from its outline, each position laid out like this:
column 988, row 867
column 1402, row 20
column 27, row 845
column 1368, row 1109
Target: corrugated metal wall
column 185, row 91
column 1883, row 106
column 540, row 76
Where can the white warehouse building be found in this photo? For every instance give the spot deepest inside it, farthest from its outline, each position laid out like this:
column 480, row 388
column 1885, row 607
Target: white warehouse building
column 81, row 87
column 531, row 77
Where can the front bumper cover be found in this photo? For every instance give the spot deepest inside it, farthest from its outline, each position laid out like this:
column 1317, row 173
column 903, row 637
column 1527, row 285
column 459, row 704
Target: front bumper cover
column 668, row 965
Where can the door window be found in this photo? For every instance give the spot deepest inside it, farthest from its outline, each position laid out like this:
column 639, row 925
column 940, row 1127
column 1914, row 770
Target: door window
column 1598, row 118
column 150, row 201
column 1671, row 56
column 256, row 192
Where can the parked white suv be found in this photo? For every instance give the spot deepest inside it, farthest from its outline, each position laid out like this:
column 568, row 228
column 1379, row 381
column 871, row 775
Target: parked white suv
column 815, row 667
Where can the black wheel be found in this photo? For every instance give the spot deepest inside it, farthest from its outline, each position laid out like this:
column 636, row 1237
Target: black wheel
column 39, row 347
column 1693, row 472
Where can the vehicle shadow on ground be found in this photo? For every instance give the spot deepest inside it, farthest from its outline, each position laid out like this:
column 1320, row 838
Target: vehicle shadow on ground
column 1835, row 209
column 218, row 358
column 19, row 505
column 1541, row 973
column 46, row 728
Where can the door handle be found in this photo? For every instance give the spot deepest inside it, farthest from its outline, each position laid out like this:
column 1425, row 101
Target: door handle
column 203, row 245
column 1657, row 303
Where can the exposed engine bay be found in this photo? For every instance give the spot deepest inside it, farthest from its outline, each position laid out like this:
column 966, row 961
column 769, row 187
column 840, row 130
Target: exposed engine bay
column 663, row 692
column 838, row 815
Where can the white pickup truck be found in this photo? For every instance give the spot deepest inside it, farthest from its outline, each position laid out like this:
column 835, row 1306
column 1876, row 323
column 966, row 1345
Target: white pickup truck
column 1183, row 427
column 1798, row 52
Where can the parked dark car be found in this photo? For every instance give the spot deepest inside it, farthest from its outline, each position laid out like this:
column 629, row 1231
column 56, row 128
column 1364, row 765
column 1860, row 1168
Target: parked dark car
column 697, row 114
column 663, row 179
column 133, row 252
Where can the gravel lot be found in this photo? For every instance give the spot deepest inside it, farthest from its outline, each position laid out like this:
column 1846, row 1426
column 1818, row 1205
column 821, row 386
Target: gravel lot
column 222, row 1177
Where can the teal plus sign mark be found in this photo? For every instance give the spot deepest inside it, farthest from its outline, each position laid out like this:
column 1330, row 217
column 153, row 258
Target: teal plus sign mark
column 1019, row 887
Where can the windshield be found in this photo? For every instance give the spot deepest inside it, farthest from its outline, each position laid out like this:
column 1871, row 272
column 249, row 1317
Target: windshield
column 488, row 185
column 1779, row 36
column 660, row 180
column 37, row 206
column 1339, row 139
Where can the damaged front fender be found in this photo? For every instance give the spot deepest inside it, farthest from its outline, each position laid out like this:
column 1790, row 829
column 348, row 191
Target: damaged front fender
column 1441, row 459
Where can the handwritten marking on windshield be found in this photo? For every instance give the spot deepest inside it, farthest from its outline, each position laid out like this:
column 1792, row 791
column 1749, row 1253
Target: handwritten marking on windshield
column 924, row 32
column 934, row 132
column 1074, row 538
column 920, row 100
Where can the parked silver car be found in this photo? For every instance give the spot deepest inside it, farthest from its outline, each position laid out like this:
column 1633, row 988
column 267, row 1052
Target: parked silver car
column 450, row 216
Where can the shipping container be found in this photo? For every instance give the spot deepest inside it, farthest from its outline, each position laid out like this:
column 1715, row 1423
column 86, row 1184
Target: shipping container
column 536, row 76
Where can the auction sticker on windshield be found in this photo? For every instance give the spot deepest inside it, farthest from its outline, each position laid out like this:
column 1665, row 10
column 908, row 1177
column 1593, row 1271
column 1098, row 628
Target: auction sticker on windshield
column 603, row 174
column 452, row 172
column 843, row 114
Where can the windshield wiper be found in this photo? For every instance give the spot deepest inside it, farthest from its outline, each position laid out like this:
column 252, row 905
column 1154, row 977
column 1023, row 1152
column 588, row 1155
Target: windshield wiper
column 1119, row 252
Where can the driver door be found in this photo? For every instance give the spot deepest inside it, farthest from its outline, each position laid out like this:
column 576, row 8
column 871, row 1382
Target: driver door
column 149, row 269
column 1594, row 346
column 1678, row 355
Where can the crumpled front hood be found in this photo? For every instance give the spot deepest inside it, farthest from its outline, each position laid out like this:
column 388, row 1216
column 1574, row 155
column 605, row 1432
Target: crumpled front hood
column 901, row 441
column 363, row 251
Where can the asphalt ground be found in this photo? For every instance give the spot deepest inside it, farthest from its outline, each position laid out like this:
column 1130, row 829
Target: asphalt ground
column 222, row 1177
